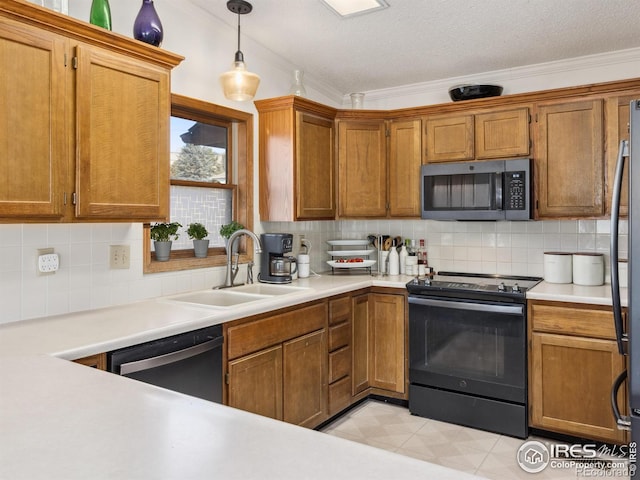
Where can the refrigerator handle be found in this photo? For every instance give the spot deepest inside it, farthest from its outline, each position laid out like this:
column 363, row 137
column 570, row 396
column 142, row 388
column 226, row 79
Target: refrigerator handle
column 621, row 336
column 622, row 421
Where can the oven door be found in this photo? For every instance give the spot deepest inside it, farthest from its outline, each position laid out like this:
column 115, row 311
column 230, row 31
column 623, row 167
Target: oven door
column 471, row 347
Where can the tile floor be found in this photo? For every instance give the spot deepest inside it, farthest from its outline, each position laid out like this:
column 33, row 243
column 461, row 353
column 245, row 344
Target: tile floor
column 392, row 427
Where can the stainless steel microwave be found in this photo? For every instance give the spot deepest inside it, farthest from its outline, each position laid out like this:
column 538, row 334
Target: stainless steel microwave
column 483, row 190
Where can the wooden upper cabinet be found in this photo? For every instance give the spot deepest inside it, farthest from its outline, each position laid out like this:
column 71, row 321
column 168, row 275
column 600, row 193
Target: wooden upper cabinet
column 480, row 135
column 362, row 162
column 405, row 158
column 118, row 98
column 570, row 159
column 617, row 128
column 34, row 155
column 502, row 134
column 448, row 138
column 87, row 113
column 297, row 166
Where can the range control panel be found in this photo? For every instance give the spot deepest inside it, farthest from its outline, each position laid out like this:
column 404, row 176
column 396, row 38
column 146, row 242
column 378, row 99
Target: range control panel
column 515, row 191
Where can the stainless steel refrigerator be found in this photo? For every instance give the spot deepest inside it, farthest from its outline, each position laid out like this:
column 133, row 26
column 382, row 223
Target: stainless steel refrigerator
column 629, row 340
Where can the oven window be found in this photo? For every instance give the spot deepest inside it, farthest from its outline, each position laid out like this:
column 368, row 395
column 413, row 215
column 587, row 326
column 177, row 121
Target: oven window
column 468, row 350
column 479, row 352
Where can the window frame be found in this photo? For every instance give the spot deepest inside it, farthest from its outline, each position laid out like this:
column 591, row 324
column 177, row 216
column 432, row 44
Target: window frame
column 184, row 259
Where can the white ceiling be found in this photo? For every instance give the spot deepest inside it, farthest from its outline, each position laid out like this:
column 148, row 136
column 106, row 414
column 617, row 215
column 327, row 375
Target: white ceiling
column 415, row 41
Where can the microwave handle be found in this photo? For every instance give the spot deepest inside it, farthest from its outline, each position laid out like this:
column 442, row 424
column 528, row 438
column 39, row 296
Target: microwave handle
column 498, row 183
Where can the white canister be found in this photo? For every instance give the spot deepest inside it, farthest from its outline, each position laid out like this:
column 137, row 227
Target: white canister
column 558, row 267
column 588, row 268
column 303, row 265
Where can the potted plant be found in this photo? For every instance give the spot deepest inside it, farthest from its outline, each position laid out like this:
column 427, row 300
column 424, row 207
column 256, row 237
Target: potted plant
column 197, row 232
column 227, row 230
column 162, row 235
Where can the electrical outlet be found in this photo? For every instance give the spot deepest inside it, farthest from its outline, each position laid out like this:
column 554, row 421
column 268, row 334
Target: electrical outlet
column 48, row 261
column 119, row 256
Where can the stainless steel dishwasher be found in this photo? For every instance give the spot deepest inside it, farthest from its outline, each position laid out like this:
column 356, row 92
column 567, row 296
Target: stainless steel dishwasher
column 189, row 363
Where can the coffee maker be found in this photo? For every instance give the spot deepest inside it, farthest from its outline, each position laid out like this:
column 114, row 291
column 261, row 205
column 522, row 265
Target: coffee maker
column 275, row 265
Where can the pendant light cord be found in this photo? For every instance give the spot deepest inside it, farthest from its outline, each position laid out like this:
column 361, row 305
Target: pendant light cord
column 239, row 56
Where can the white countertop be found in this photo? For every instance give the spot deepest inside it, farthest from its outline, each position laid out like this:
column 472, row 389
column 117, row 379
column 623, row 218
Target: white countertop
column 569, row 292
column 61, row 420
column 64, row 421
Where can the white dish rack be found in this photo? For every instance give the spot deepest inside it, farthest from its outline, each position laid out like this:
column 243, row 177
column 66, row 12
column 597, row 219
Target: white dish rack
column 344, row 253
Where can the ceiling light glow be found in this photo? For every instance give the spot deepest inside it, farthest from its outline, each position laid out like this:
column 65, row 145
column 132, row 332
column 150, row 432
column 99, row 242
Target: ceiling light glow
column 348, row 8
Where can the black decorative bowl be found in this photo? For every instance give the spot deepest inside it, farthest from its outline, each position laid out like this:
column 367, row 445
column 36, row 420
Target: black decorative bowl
column 469, row 92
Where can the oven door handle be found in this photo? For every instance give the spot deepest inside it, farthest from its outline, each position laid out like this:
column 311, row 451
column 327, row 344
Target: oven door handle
column 160, row 360
column 478, row 307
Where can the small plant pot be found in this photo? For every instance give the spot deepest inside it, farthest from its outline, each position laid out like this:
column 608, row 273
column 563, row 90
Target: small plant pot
column 201, row 248
column 163, row 250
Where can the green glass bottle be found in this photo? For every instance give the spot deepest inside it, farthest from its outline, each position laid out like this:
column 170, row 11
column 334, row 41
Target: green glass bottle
column 100, row 14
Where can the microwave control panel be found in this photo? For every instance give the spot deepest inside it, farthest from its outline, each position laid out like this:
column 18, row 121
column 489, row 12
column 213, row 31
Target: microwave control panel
column 515, row 191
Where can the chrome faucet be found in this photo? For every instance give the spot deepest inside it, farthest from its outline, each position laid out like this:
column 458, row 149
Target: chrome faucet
column 232, row 270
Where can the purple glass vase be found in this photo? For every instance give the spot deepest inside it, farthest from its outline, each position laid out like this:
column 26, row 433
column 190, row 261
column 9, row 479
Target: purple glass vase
column 147, row 27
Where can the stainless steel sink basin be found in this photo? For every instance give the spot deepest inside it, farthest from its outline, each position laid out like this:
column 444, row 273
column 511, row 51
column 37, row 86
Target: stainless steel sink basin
column 218, row 298
column 267, row 289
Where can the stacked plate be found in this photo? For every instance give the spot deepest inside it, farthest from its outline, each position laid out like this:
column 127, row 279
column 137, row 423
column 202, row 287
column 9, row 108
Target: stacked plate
column 350, row 254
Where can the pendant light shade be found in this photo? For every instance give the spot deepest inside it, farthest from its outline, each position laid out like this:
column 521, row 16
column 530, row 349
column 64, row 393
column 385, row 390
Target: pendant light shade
column 238, row 83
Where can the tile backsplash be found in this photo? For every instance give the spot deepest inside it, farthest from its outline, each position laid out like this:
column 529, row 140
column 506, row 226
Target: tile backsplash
column 85, row 280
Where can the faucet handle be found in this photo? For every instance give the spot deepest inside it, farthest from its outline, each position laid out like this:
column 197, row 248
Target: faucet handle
column 250, row 271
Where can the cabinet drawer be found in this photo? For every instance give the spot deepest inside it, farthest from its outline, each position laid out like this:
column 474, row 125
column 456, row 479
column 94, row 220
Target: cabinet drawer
column 256, row 335
column 339, row 395
column 339, row 336
column 339, row 364
column 572, row 319
column 339, row 310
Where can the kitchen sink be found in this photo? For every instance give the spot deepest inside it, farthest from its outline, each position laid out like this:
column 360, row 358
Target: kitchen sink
column 267, row 289
column 218, row 298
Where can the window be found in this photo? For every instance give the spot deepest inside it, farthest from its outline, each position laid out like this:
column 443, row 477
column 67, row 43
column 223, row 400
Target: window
column 211, row 180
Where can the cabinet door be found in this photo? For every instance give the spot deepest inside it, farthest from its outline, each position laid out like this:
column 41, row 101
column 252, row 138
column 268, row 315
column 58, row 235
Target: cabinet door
column 255, row 383
column 360, row 343
column 387, row 342
column 570, row 381
column 305, row 379
column 122, row 121
column 570, row 159
column 33, row 153
column 315, row 196
column 362, row 169
column 405, row 152
column 448, row 138
column 502, row 134
column 617, row 118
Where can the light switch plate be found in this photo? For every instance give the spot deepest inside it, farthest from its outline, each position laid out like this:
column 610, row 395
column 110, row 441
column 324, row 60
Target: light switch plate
column 119, row 256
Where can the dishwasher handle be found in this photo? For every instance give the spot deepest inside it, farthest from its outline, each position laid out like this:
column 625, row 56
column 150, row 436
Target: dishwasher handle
column 167, row 358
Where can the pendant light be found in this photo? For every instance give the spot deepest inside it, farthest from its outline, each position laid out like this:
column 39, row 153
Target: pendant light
column 239, row 84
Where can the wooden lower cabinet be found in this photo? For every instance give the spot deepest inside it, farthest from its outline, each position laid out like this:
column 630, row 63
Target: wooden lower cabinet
column 98, row 361
column 311, row 362
column 286, row 378
column 305, row 379
column 339, row 350
column 255, row 383
column 572, row 371
column 360, row 343
column 387, row 342
column 379, row 343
